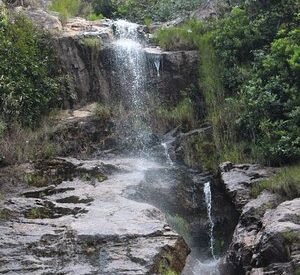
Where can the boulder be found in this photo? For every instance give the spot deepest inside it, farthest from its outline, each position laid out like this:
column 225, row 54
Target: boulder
column 42, row 19
column 266, row 238
column 238, row 180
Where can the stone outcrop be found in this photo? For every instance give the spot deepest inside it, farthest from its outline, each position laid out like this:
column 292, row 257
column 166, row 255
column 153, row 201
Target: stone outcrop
column 81, row 132
column 84, row 225
column 180, row 194
column 86, row 53
column 267, row 237
column 41, row 18
column 238, row 180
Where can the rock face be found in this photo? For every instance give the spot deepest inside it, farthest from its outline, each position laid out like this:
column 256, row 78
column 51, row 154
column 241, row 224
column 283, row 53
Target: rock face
column 238, row 180
column 179, row 192
column 85, row 225
column 42, row 19
column 267, row 237
column 86, row 52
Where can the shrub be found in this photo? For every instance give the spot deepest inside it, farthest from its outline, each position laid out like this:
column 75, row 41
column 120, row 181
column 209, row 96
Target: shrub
column 93, row 43
column 106, row 8
column 19, row 144
column 184, row 37
column 94, row 17
column 180, row 115
column 102, row 112
column 137, row 10
column 285, row 183
column 29, row 77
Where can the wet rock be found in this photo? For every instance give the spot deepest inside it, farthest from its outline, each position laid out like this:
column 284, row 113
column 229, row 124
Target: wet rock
column 179, row 192
column 79, row 228
column 266, row 239
column 190, row 147
column 238, row 180
column 80, row 132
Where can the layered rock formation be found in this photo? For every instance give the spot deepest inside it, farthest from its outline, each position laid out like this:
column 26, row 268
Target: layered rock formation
column 85, row 225
column 267, row 237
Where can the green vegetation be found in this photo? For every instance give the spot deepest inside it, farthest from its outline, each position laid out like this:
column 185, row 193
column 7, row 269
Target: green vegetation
column 180, row 115
column 164, row 267
column 291, row 237
column 92, row 42
column 249, row 75
column 5, row 214
column 38, row 213
column 184, row 37
column 29, row 80
column 30, row 86
column 36, row 180
column 156, row 10
column 20, row 144
column 202, row 150
column 102, row 112
column 66, row 8
column 70, row 8
column 285, row 183
column 94, row 17
column 180, row 225
column 142, row 11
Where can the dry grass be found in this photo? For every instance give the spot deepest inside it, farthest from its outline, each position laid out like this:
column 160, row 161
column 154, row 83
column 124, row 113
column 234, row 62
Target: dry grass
column 19, row 145
column 285, row 183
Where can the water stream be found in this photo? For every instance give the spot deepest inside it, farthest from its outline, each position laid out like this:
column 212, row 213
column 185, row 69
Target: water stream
column 208, row 201
column 131, row 77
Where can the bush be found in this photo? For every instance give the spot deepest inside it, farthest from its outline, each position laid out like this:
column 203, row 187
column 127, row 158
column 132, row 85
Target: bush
column 106, row 8
column 94, row 17
column 102, row 112
column 19, row 144
column 29, row 78
column 180, row 115
column 184, row 37
column 285, row 183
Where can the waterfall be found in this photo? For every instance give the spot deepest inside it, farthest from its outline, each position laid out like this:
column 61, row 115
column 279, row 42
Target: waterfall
column 208, row 201
column 130, row 65
column 157, row 64
column 169, row 160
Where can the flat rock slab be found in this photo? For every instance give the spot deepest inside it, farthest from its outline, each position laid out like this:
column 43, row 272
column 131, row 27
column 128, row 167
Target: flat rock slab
column 88, row 227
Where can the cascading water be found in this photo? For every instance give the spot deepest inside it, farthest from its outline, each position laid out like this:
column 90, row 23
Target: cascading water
column 208, row 201
column 131, row 67
column 169, row 160
column 131, row 78
column 157, row 64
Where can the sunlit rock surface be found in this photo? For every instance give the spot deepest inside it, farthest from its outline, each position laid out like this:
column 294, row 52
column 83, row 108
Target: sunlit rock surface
column 87, row 226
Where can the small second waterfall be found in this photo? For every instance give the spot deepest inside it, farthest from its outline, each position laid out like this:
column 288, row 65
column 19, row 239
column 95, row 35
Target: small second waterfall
column 208, row 201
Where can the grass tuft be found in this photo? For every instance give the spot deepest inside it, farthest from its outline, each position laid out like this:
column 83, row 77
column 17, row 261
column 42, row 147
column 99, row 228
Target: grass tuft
column 182, row 114
column 66, row 8
column 285, row 183
column 102, row 112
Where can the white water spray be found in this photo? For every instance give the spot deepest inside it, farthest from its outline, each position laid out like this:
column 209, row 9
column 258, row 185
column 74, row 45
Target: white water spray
column 157, row 65
column 169, row 160
column 131, row 78
column 208, row 201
